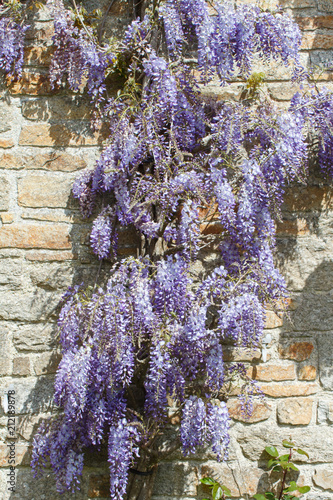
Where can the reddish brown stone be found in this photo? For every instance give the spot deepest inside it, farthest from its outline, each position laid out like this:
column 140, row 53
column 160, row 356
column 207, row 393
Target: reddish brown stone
column 55, row 236
column 30, row 83
column 99, row 486
column 307, row 372
column 273, row 320
column 38, row 55
column 44, row 190
column 54, row 161
column 45, row 256
column 297, row 227
column 308, row 198
column 271, row 372
column 299, row 351
column 260, row 412
column 312, row 23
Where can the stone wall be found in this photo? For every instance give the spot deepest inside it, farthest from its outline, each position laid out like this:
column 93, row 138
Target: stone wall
column 44, row 140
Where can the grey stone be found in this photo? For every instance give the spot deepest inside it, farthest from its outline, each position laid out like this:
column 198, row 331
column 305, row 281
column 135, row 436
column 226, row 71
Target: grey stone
column 4, row 192
column 176, row 479
column 51, row 276
column 325, row 5
column 6, row 117
column 34, row 337
column 325, row 412
column 34, row 305
column 32, row 395
column 325, row 350
column 315, row 312
column 11, row 273
column 318, row 445
column 4, row 351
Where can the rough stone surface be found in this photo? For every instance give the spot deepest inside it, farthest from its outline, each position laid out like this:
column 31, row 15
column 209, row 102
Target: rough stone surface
column 289, row 389
column 298, row 351
column 4, row 192
column 295, row 411
column 34, row 337
column 323, row 477
column 40, row 190
column 307, row 372
column 260, row 412
column 273, row 372
column 326, row 360
column 26, row 235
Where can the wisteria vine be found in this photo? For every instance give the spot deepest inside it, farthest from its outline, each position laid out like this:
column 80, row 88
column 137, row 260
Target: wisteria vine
column 191, row 176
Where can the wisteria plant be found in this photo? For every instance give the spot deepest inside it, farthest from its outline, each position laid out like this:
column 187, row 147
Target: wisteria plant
column 193, row 177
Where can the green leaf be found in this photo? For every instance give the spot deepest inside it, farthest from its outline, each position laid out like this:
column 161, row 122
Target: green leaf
column 259, row 496
column 208, row 480
column 217, row 492
column 226, row 490
column 284, row 458
column 304, row 489
column 271, row 462
column 302, row 452
column 287, row 444
column 292, row 487
column 270, row 496
column 272, row 451
column 291, row 466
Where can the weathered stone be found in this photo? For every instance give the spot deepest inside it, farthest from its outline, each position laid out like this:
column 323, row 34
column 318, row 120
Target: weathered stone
column 307, row 372
column 30, row 83
column 4, row 192
column 177, row 478
column 319, row 447
column 283, row 91
column 46, row 363
column 99, row 486
column 325, row 5
column 325, row 351
column 21, row 453
column 6, row 117
column 52, row 214
column 44, row 134
column 288, row 390
column 317, row 41
column 46, row 256
column 295, row 411
column 314, row 22
column 55, row 236
column 272, row 320
column 298, row 351
column 298, row 4
column 272, row 372
column 260, row 412
column 222, row 473
column 32, row 395
column 37, row 55
column 34, row 337
column 323, row 477
column 325, row 412
column 53, row 161
column 7, row 218
column 65, row 107
column 239, row 354
column 296, row 227
column 4, row 352
column 6, row 143
column 44, row 190
column 307, row 199
column 21, row 366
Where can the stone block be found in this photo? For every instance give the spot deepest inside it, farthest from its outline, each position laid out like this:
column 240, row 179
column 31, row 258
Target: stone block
column 21, row 452
column 47, row 362
column 65, row 107
column 323, row 477
column 4, row 192
column 30, row 83
column 6, row 117
column 297, row 351
column 55, row 161
column 273, row 372
column 289, row 389
column 307, row 372
column 325, row 412
column 325, row 351
column 260, row 412
column 273, row 320
column 7, row 218
column 21, row 366
column 317, row 41
column 34, row 337
column 298, row 4
column 222, row 473
column 176, row 479
column 32, row 395
column 241, row 354
column 314, row 22
column 325, row 6
column 296, row 227
column 6, row 143
column 45, row 134
column 37, row 55
column 99, row 486
column 295, row 411
column 5, row 356
column 33, row 305
column 29, row 235
column 47, row 256
column 45, row 190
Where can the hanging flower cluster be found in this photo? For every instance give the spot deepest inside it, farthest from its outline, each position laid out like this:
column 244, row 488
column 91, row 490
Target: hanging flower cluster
column 190, row 175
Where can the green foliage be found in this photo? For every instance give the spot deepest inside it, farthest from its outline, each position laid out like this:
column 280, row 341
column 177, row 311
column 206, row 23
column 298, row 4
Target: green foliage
column 277, row 463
